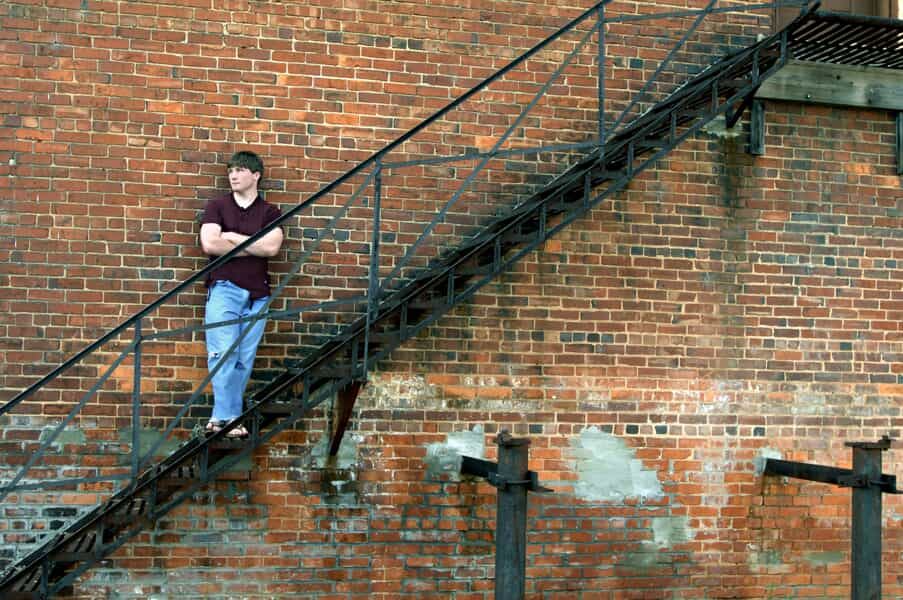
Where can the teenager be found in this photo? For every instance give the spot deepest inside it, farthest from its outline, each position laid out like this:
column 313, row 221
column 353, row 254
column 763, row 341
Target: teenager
column 240, row 287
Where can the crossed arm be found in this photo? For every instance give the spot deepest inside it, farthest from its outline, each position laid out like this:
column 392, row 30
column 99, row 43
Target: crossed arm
column 215, row 242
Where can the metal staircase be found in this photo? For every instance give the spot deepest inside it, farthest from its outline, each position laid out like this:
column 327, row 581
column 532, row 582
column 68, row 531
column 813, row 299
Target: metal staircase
column 338, row 368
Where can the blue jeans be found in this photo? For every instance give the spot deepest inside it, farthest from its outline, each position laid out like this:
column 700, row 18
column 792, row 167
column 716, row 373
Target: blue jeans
column 225, row 302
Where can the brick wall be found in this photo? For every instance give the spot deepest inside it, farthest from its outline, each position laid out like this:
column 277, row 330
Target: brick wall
column 721, row 310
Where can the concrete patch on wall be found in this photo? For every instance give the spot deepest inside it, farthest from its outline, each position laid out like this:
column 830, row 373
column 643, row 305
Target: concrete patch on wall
column 67, row 436
column 345, row 458
column 669, row 531
column 718, row 128
column 658, row 552
column 762, row 559
column 444, row 458
column 762, row 456
column 148, row 438
column 641, row 561
column 338, row 474
column 823, row 559
column 608, row 471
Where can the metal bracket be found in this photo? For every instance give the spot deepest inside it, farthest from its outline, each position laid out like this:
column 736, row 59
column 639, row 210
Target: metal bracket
column 489, row 471
column 887, row 483
column 853, row 481
column 502, row 483
column 533, row 485
column 833, row 475
column 868, row 483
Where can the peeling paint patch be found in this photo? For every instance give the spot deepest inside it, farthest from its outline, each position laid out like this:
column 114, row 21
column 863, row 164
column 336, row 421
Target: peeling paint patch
column 641, row 560
column 146, row 440
column 445, row 458
column 608, row 470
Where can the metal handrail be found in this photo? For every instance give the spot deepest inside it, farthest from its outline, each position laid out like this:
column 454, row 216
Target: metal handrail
column 293, row 212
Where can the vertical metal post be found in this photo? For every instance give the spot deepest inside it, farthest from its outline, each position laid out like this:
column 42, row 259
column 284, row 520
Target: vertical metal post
column 784, row 54
column 757, row 128
column 631, row 154
column 866, row 543
column 45, row 579
column 373, row 281
column 601, row 65
column 511, row 530
column 755, row 66
column 136, row 405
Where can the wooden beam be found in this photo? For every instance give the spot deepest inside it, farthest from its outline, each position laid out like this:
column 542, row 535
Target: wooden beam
column 838, row 85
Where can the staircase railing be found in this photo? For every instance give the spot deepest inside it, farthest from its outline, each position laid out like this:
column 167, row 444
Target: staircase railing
column 384, row 218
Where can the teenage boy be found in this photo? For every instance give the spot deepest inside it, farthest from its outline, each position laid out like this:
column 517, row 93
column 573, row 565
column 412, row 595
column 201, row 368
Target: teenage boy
column 240, row 287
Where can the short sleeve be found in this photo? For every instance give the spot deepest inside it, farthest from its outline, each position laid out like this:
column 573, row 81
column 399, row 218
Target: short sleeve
column 212, row 213
column 273, row 213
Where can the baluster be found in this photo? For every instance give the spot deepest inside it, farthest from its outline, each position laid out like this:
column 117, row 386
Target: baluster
column 601, row 67
column 373, row 282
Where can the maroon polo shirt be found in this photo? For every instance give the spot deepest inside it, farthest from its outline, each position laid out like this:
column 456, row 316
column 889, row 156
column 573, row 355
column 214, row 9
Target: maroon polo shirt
column 248, row 272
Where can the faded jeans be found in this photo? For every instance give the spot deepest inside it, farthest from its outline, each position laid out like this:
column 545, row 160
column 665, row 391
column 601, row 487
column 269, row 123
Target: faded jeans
column 225, row 302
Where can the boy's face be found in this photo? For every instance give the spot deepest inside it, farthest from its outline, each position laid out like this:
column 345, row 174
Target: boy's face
column 242, row 180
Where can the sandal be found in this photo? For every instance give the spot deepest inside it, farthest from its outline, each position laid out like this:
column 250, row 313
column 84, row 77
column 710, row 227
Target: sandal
column 238, row 431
